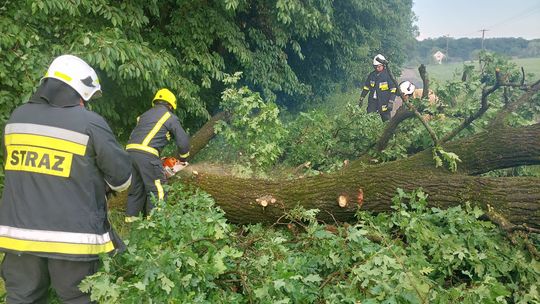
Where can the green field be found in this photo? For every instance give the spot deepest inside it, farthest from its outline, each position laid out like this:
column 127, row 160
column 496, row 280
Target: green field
column 444, row 72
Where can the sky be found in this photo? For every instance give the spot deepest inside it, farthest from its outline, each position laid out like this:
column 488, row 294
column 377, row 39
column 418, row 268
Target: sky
column 466, row 18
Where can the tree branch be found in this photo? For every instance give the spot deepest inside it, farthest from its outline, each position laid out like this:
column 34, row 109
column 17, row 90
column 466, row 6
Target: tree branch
column 200, row 139
column 500, row 118
column 401, row 115
column 483, row 108
column 404, row 114
column 425, row 80
column 484, row 102
column 412, row 108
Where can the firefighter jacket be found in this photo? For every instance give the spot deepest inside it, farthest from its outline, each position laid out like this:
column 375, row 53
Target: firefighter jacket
column 155, row 128
column 58, row 160
column 380, row 87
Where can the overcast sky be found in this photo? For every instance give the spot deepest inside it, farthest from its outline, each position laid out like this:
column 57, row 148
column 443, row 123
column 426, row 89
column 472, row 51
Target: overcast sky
column 465, row 18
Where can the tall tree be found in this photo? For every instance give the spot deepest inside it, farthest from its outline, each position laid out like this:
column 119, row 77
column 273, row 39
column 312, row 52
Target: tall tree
column 284, row 47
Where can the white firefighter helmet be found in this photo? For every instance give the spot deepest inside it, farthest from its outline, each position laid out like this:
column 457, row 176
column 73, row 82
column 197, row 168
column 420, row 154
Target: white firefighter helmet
column 77, row 74
column 407, row 87
column 380, row 57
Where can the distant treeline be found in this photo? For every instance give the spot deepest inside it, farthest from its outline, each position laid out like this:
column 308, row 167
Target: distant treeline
column 468, row 48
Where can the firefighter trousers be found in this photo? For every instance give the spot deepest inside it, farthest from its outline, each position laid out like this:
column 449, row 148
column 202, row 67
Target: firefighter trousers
column 27, row 278
column 147, row 178
column 383, row 108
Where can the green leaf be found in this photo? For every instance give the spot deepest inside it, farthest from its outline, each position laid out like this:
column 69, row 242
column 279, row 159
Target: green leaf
column 312, row 278
column 140, row 286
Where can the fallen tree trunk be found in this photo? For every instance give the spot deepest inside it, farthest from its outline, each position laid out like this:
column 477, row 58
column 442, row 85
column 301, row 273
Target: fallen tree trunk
column 371, row 188
column 251, row 201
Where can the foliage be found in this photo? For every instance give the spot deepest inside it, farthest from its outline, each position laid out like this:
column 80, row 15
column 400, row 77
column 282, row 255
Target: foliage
column 325, row 140
column 187, row 252
column 443, row 158
column 456, row 101
column 289, row 50
column 284, row 47
column 321, row 141
column 254, row 128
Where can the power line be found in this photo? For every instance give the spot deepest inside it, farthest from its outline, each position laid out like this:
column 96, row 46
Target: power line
column 525, row 13
column 521, row 15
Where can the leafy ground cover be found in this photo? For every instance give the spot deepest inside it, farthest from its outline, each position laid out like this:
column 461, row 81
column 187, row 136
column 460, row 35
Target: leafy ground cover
column 186, row 252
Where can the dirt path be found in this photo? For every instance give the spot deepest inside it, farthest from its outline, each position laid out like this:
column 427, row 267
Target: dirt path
column 411, row 74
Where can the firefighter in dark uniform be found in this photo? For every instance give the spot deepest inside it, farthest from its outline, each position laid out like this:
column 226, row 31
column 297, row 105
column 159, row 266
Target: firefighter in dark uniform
column 59, row 158
column 154, row 129
column 381, row 89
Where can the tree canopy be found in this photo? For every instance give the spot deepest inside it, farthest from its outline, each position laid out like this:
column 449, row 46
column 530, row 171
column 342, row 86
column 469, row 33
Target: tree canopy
column 288, row 50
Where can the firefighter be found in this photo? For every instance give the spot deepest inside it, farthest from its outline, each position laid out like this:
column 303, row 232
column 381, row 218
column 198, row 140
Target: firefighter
column 59, row 158
column 407, row 88
column 381, row 89
column 154, row 129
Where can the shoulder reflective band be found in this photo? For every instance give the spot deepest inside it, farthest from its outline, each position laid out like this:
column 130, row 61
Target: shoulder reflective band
column 144, row 145
column 184, row 155
column 42, row 149
column 366, row 88
column 20, row 239
column 156, row 128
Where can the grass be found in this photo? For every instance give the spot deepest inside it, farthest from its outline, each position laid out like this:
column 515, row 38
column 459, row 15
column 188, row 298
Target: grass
column 447, row 71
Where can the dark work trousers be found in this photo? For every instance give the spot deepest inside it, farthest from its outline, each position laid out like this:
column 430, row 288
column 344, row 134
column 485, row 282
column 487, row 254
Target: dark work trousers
column 373, row 105
column 28, row 277
column 385, row 110
column 147, row 178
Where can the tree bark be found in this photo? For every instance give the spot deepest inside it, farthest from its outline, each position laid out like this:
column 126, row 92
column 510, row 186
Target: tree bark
column 252, row 201
column 371, row 188
column 401, row 114
column 498, row 149
column 200, row 139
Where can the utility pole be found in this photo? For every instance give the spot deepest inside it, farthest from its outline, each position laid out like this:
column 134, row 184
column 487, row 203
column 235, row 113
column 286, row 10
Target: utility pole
column 483, row 35
column 447, row 37
column 480, row 58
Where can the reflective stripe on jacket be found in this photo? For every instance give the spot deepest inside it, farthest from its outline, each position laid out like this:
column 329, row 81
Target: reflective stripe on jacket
column 154, row 129
column 58, row 161
column 379, row 86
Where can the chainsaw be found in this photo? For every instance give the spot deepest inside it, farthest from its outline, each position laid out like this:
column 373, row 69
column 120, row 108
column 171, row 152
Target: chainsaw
column 172, row 166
